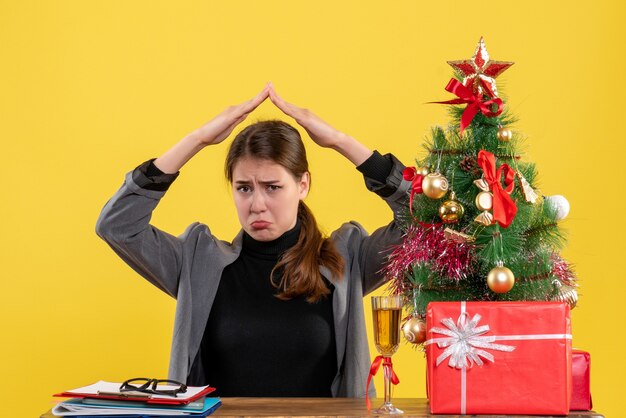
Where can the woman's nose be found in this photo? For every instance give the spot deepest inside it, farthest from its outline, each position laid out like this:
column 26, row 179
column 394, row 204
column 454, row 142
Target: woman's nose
column 258, row 202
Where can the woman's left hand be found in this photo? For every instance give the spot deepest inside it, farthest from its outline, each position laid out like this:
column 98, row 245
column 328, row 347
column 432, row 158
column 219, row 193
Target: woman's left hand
column 322, row 133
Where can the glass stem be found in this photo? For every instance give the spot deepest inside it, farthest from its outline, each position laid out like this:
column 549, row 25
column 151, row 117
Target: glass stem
column 387, row 380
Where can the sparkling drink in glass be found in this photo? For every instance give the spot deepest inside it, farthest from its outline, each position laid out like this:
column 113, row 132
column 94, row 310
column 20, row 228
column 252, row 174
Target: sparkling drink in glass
column 386, row 311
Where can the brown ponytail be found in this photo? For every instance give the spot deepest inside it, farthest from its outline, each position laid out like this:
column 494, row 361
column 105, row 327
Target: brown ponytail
column 300, row 264
column 279, row 142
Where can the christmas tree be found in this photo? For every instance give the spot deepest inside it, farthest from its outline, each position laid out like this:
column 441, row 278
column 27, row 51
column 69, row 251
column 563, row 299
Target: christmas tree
column 478, row 229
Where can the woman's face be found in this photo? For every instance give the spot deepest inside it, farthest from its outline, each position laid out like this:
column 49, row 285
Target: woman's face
column 266, row 195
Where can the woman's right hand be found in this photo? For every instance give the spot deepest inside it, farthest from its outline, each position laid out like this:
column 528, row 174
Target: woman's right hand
column 212, row 132
column 217, row 129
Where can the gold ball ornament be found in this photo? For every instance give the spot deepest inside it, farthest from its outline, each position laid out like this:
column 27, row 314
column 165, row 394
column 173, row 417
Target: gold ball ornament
column 414, row 330
column 422, row 171
column 451, row 211
column 435, row 185
column 500, row 279
column 504, row 134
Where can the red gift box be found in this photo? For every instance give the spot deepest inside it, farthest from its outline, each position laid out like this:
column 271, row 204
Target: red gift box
column 581, row 376
column 499, row 358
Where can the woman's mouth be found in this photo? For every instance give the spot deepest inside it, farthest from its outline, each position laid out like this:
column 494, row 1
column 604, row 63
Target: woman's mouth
column 260, row 224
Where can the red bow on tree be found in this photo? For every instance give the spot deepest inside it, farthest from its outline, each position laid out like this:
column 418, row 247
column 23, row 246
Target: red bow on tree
column 387, row 368
column 410, row 174
column 474, row 103
column 504, row 208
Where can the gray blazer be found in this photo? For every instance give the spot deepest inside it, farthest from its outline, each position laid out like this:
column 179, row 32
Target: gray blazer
column 189, row 268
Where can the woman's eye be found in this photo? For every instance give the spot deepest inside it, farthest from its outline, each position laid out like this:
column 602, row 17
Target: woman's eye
column 273, row 187
column 244, row 189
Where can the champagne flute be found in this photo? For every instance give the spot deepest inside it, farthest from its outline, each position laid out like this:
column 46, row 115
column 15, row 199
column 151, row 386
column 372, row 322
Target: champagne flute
column 387, row 311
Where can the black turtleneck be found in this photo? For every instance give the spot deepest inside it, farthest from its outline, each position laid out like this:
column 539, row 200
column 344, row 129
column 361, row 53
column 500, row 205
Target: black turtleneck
column 258, row 345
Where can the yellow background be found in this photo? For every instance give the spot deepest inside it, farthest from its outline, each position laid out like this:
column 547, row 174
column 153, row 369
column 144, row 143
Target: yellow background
column 88, row 90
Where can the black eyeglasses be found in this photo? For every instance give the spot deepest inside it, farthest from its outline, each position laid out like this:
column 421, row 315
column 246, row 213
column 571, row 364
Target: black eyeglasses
column 155, row 386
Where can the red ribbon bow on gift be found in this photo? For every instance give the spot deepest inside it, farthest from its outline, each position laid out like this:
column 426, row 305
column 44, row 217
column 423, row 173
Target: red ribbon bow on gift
column 410, row 174
column 474, row 103
column 504, row 208
column 386, row 362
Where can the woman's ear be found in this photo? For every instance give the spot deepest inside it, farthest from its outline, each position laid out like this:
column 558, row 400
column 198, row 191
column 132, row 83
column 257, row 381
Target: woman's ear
column 304, row 184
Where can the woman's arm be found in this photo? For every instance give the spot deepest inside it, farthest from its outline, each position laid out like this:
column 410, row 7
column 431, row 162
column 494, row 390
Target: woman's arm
column 375, row 248
column 383, row 176
column 211, row 133
column 124, row 222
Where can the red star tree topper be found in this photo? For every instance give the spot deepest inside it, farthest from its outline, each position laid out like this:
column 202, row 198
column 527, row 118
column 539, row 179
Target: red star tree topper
column 480, row 72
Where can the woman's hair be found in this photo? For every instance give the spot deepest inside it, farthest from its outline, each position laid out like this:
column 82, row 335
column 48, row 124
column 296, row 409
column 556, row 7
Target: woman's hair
column 279, row 142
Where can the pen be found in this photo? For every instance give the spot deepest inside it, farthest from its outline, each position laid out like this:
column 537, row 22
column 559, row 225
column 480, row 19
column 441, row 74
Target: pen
column 126, row 394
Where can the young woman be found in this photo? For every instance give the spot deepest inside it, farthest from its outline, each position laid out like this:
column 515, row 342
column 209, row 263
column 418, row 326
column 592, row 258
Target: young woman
column 279, row 310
